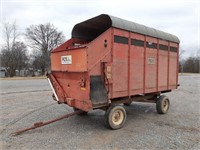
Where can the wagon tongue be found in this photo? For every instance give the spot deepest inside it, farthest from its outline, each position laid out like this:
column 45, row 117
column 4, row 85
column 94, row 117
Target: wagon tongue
column 40, row 124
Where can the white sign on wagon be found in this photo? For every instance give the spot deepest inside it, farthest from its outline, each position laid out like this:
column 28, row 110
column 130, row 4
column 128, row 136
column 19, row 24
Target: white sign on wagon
column 66, row 60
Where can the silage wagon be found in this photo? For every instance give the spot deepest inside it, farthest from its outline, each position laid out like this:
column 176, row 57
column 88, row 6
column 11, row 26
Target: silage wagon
column 110, row 61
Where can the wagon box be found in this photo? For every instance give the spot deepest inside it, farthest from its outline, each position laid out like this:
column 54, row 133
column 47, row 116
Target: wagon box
column 110, row 61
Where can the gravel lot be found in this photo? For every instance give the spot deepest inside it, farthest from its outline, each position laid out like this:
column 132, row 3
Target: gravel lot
column 24, row 102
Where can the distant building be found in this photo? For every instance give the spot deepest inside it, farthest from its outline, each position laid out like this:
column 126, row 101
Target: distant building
column 24, row 72
column 2, row 72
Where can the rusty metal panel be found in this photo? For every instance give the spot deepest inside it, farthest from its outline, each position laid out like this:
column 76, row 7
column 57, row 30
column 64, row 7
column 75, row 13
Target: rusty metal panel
column 163, row 65
column 70, row 82
column 69, row 60
column 173, row 67
column 151, row 65
column 162, row 73
column 98, row 51
column 75, row 89
column 120, row 64
column 136, row 65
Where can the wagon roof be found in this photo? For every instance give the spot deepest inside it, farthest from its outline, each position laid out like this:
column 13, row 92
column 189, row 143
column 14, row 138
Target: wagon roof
column 93, row 27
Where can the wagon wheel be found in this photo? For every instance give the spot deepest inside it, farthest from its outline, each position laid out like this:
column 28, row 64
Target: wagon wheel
column 81, row 114
column 115, row 117
column 162, row 104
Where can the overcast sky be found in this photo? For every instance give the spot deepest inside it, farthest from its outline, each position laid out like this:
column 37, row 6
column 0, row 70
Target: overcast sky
column 178, row 17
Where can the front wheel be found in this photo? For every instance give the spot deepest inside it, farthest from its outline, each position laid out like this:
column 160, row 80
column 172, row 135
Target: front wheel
column 162, row 104
column 115, row 117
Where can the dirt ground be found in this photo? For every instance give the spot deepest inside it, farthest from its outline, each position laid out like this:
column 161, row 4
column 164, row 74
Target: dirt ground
column 24, row 102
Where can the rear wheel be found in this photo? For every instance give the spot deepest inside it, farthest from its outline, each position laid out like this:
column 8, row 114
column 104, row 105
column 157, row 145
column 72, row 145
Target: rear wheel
column 81, row 114
column 115, row 117
column 162, row 104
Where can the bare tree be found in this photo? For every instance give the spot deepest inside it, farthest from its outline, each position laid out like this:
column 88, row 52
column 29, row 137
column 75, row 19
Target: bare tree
column 13, row 53
column 43, row 38
column 197, row 60
column 10, row 34
column 14, row 59
column 192, row 64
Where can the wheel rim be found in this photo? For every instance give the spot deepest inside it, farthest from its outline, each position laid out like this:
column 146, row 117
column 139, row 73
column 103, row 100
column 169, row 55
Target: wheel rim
column 117, row 117
column 165, row 105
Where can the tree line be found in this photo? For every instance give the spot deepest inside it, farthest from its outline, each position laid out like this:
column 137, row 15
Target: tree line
column 15, row 54
column 40, row 39
column 190, row 64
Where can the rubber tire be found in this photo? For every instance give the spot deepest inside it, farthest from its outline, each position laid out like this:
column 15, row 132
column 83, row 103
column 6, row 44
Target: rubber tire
column 108, row 117
column 159, row 104
column 81, row 114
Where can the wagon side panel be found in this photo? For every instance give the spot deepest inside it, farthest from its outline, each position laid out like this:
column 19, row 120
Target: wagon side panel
column 99, row 54
column 173, row 66
column 136, row 64
column 120, row 63
column 99, row 50
column 163, row 65
column 151, row 65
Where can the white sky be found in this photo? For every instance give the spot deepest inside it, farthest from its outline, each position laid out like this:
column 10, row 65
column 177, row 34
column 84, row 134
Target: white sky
column 178, row 17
